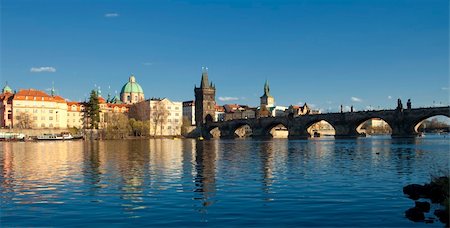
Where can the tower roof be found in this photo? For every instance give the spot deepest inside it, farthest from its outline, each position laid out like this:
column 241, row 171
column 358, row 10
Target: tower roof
column 204, row 83
column 266, row 89
column 6, row 89
column 131, row 86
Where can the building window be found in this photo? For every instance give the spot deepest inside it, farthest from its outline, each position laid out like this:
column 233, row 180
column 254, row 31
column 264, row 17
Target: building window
column 34, row 117
column 176, row 108
column 177, row 114
column 176, row 120
column 50, row 111
column 128, row 98
column 169, row 127
column 169, row 107
column 42, row 117
column 135, row 98
column 50, row 125
column 50, row 118
column 42, row 124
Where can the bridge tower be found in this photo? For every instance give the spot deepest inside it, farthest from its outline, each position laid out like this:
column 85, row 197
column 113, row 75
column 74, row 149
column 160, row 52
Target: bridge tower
column 205, row 100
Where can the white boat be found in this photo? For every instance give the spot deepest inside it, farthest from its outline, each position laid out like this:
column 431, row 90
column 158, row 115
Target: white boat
column 11, row 136
column 62, row 136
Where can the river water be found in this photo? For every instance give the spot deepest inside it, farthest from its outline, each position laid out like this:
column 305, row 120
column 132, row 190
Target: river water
column 162, row 182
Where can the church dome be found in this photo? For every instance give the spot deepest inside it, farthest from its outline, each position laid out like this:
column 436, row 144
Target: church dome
column 131, row 86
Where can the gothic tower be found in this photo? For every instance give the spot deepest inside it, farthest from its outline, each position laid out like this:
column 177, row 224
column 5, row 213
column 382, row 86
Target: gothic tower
column 205, row 100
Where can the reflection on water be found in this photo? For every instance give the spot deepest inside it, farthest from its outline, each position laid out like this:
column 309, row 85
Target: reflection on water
column 218, row 182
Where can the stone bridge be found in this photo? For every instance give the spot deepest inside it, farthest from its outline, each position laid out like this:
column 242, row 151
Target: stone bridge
column 403, row 123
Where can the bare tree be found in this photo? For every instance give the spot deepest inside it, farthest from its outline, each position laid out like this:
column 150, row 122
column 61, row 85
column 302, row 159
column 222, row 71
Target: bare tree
column 24, row 120
column 159, row 116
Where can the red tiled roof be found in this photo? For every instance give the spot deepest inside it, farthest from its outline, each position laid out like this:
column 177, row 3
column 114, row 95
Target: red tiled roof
column 101, row 100
column 77, row 105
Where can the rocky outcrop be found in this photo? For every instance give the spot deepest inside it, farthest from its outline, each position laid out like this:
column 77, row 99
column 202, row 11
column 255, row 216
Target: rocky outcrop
column 437, row 191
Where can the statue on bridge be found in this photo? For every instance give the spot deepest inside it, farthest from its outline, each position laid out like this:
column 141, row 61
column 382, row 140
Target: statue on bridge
column 399, row 105
column 342, row 109
column 408, row 104
column 351, row 108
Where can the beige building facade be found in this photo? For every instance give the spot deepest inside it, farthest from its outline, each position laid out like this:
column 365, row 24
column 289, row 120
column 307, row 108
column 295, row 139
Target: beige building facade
column 165, row 117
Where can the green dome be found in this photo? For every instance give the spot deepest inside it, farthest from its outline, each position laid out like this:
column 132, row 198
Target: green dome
column 7, row 89
column 131, row 86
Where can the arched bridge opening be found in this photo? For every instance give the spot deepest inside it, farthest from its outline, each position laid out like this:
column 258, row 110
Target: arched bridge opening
column 242, row 131
column 277, row 130
column 438, row 124
column 321, row 128
column 374, row 126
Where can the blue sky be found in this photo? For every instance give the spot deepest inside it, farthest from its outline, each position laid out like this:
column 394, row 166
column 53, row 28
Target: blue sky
column 326, row 53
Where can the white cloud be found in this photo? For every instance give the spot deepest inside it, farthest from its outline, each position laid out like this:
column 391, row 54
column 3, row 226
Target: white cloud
column 355, row 99
column 111, row 15
column 444, row 88
column 228, row 98
column 42, row 69
column 389, row 97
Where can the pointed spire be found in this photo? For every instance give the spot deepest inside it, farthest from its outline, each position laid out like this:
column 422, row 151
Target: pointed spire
column 266, row 88
column 204, row 82
column 52, row 92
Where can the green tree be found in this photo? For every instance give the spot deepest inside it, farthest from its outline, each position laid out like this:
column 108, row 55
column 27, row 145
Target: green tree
column 117, row 126
column 93, row 110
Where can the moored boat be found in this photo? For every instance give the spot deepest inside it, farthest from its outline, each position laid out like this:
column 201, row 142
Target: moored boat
column 62, row 136
column 7, row 136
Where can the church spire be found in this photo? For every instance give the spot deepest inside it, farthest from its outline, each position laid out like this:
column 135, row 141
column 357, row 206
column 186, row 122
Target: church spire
column 266, row 88
column 52, row 91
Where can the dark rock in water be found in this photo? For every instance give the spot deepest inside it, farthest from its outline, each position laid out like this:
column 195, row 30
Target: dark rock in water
column 434, row 191
column 414, row 214
column 414, row 191
column 442, row 215
column 423, row 206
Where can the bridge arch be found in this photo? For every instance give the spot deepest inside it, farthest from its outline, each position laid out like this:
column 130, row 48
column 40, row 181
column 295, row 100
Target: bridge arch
column 373, row 125
column 276, row 129
column 241, row 130
column 320, row 127
column 435, row 123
